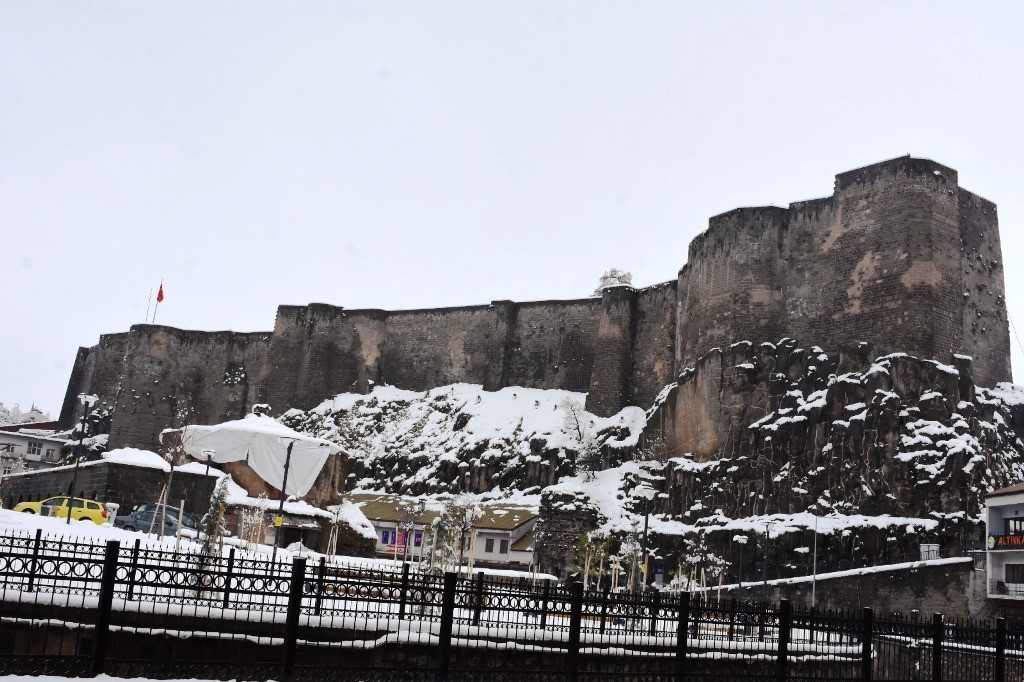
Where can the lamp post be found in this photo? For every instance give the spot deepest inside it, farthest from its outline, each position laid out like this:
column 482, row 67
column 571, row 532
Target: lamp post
column 814, row 566
column 764, row 573
column 740, row 540
column 87, row 401
column 279, row 521
column 648, row 494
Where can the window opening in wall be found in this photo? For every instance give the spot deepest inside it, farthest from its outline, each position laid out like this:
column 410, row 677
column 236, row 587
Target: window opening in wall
column 34, row 447
column 504, row 547
column 1015, row 526
column 1015, row 573
column 489, row 546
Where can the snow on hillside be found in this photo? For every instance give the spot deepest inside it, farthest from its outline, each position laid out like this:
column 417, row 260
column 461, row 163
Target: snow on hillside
column 463, row 438
column 613, row 494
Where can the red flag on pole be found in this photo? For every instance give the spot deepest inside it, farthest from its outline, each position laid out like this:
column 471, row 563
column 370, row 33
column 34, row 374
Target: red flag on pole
column 160, row 294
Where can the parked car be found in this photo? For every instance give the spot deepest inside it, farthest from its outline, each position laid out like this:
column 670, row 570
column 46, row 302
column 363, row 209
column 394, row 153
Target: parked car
column 149, row 520
column 187, row 520
column 81, row 509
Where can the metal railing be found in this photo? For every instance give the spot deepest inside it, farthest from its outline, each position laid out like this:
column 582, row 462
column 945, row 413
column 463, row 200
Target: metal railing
column 79, row 609
column 1001, row 588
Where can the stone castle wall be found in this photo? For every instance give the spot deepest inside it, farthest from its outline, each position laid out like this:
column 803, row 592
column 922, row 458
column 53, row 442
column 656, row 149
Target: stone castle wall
column 899, row 256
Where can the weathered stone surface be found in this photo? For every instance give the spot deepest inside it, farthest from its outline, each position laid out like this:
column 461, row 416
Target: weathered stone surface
column 956, row 590
column 902, row 437
column 899, row 257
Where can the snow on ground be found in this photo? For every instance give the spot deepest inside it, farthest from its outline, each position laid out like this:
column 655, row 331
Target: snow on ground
column 906, row 566
column 98, row 678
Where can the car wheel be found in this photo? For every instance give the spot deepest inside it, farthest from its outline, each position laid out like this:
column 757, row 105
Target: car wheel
column 27, row 511
column 129, row 527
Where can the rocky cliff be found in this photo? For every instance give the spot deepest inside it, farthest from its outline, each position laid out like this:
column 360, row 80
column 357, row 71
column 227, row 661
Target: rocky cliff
column 775, row 439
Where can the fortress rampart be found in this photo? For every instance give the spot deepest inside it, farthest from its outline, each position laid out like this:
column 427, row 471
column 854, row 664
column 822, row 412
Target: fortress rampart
column 899, row 256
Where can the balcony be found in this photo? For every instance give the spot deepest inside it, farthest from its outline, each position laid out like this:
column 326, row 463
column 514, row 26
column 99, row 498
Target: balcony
column 1000, row 589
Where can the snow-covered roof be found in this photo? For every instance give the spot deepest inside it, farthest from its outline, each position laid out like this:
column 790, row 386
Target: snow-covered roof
column 1011, row 490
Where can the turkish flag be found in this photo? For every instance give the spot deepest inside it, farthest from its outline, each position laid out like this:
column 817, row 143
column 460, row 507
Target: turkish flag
column 160, row 294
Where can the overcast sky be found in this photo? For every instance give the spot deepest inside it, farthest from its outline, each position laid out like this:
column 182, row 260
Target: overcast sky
column 421, row 154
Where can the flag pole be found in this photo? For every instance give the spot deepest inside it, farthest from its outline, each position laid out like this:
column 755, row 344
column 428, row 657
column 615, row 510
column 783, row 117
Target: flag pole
column 159, row 297
column 149, row 303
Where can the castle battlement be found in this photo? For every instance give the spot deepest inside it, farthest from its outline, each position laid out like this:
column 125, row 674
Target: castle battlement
column 899, row 256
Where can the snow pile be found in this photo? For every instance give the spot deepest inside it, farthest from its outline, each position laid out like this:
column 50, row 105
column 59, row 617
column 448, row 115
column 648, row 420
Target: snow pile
column 463, row 438
column 351, row 514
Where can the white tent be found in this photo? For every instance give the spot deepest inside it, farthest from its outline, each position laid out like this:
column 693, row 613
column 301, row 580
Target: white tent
column 262, row 443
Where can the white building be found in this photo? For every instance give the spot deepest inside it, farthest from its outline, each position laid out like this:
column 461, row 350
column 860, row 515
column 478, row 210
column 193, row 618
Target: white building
column 501, row 538
column 28, row 450
column 1004, row 526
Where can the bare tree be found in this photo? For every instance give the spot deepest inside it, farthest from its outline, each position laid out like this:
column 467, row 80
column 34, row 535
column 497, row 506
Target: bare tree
column 579, row 423
column 253, row 524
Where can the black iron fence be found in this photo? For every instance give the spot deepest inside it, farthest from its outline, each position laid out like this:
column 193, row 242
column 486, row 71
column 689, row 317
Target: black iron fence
column 78, row 609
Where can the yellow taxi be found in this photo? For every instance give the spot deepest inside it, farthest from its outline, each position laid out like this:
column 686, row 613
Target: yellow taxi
column 81, row 509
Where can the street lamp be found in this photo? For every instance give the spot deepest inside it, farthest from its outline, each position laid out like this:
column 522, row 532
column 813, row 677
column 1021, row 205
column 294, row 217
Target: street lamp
column 740, row 540
column 87, row 401
column 648, row 494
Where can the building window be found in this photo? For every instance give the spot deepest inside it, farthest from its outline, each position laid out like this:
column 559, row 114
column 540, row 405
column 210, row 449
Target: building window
column 504, row 547
column 489, row 546
column 1015, row 573
column 1015, row 526
column 7, row 469
column 34, row 447
column 385, row 535
column 417, row 540
column 49, row 453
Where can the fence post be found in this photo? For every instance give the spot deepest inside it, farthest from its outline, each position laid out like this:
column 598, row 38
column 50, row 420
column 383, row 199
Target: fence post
column 35, row 560
column 1000, row 650
column 106, row 599
column 291, row 623
column 937, row 647
column 682, row 632
column 478, row 598
column 544, row 604
column 444, row 640
column 655, row 608
column 866, row 651
column 132, row 568
column 228, row 575
column 405, row 589
column 575, row 625
column 785, row 624
column 604, row 606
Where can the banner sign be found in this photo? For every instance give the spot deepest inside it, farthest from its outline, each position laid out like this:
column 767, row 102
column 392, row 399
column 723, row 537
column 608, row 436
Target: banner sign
column 1005, row 542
